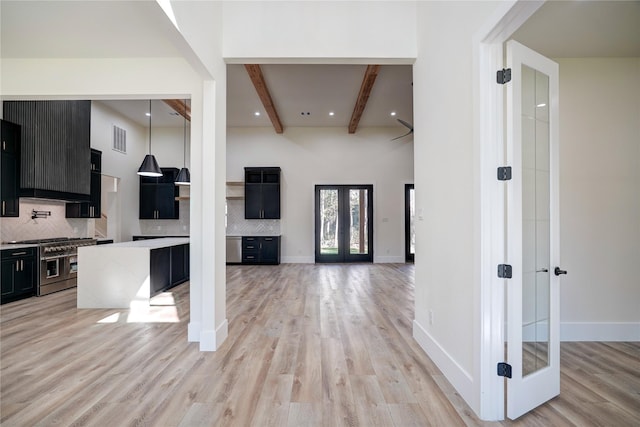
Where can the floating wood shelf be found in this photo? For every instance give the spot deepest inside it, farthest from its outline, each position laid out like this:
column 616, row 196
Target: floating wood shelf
column 183, row 198
column 235, row 197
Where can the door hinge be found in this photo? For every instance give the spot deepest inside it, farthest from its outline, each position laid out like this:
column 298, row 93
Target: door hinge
column 504, row 271
column 504, row 370
column 503, row 76
column 504, row 173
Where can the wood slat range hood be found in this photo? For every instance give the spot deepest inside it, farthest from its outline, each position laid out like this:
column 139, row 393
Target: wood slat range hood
column 55, row 148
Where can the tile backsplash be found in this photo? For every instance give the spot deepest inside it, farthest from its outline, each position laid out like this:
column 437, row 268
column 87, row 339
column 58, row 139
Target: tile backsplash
column 171, row 227
column 237, row 225
column 56, row 225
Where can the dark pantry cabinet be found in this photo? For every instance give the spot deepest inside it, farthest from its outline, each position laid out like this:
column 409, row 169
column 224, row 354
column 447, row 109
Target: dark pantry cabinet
column 10, row 187
column 18, row 273
column 90, row 209
column 262, row 193
column 158, row 196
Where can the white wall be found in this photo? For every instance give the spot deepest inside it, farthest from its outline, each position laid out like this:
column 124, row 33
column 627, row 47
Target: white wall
column 600, row 198
column 346, row 30
column 310, row 156
column 446, row 185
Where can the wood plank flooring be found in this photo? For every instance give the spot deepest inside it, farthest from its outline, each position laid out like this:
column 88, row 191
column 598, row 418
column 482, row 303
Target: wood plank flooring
column 308, row 345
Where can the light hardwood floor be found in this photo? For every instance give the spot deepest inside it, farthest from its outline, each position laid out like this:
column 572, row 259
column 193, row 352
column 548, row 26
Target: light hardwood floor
column 308, row 345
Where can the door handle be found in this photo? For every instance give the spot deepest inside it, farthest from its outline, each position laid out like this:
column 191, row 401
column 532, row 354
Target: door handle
column 558, row 272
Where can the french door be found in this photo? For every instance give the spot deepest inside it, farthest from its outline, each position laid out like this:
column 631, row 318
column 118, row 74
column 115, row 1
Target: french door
column 533, row 341
column 344, row 223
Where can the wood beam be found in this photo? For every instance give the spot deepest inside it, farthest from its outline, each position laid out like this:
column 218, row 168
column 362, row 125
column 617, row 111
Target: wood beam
column 180, row 107
column 255, row 73
column 365, row 90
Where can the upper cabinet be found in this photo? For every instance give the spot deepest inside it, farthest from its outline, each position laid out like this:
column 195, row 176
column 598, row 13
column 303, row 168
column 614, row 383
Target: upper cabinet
column 90, row 209
column 10, row 186
column 262, row 193
column 158, row 196
column 55, row 148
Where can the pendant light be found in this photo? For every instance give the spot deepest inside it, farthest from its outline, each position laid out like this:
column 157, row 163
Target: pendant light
column 149, row 166
column 184, row 177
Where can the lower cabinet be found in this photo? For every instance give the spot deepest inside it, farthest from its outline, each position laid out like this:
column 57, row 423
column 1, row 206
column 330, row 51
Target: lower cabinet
column 261, row 249
column 179, row 264
column 169, row 267
column 18, row 274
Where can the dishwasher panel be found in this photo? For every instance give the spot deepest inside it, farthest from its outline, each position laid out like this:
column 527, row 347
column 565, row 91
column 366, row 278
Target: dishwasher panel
column 234, row 250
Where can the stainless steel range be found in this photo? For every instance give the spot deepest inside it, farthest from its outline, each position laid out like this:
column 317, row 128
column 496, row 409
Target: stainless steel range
column 58, row 262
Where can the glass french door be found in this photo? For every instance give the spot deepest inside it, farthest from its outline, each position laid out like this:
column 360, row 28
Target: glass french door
column 344, row 223
column 533, row 341
column 409, row 223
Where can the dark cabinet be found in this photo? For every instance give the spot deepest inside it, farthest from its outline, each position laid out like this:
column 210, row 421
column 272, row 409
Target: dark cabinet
column 168, row 267
column 261, row 249
column 18, row 274
column 90, row 209
column 160, row 269
column 10, row 186
column 158, row 196
column 262, row 193
column 179, row 264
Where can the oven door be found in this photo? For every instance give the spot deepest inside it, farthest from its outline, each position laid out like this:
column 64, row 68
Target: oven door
column 71, row 264
column 52, row 269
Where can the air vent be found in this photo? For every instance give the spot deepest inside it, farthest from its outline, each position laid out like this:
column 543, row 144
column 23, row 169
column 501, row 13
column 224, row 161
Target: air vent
column 119, row 140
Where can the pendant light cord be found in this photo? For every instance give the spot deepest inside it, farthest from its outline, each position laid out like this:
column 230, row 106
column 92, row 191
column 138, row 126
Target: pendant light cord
column 149, row 126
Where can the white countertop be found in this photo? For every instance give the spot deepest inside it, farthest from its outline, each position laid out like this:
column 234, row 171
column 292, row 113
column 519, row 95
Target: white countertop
column 11, row 246
column 148, row 244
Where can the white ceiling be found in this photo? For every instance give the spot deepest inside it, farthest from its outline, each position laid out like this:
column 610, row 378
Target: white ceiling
column 89, row 29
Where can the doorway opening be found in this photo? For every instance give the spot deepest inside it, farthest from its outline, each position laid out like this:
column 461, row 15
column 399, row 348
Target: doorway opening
column 344, row 223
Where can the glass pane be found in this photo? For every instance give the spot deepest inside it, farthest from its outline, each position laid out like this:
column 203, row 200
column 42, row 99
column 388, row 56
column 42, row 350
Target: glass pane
column 412, row 223
column 329, row 222
column 535, row 221
column 358, row 236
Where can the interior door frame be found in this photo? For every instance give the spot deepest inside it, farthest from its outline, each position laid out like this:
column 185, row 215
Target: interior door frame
column 342, row 201
column 408, row 256
column 489, row 336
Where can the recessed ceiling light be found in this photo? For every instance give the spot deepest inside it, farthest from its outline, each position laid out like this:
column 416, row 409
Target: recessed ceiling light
column 331, row 113
column 393, row 113
column 147, row 114
column 257, row 113
column 541, row 105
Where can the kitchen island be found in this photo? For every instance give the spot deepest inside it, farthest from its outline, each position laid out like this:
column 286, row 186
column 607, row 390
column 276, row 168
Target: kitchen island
column 121, row 275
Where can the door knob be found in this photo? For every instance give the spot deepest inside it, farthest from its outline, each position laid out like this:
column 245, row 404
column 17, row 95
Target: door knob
column 558, row 272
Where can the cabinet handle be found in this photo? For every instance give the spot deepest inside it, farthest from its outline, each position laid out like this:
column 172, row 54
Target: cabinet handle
column 21, row 265
column 4, row 145
column 18, row 253
column 17, row 265
column 3, row 206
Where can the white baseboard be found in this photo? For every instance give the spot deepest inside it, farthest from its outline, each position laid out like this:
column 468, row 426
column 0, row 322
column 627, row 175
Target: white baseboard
column 298, row 260
column 457, row 376
column 211, row 340
column 388, row 259
column 600, row 331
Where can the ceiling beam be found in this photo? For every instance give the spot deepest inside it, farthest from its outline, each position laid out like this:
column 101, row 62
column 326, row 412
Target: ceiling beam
column 180, row 107
column 365, row 90
column 255, row 73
